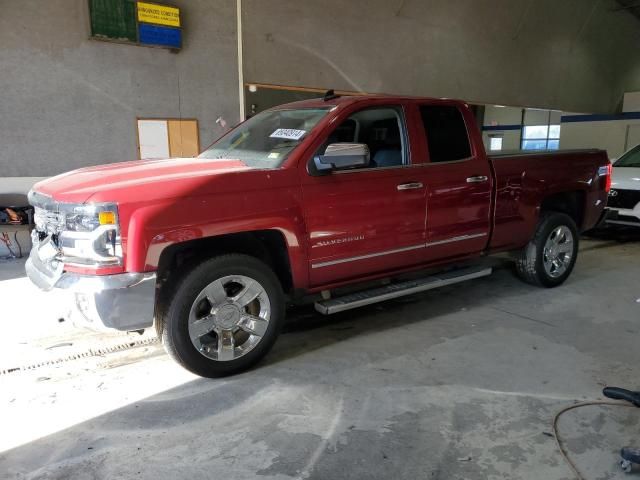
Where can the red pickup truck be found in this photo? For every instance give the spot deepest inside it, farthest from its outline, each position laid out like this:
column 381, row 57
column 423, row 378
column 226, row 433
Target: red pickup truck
column 333, row 200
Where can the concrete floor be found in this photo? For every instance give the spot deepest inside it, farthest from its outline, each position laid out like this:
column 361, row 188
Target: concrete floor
column 459, row 383
column 33, row 330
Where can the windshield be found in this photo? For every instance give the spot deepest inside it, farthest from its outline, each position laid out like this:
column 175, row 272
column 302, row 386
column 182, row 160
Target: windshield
column 629, row 159
column 266, row 140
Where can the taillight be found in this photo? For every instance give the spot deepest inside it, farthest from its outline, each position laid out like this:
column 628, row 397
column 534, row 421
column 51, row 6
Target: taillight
column 607, row 185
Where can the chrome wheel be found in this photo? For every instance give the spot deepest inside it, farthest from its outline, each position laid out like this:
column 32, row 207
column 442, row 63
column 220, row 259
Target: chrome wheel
column 558, row 251
column 229, row 317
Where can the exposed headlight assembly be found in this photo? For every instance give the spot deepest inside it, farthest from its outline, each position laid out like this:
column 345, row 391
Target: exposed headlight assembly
column 84, row 234
column 91, row 234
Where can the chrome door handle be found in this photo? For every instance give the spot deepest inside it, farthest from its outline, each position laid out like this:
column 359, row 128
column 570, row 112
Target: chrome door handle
column 410, row 186
column 477, row 179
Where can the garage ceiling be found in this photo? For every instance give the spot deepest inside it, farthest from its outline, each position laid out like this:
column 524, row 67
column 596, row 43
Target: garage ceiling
column 632, row 6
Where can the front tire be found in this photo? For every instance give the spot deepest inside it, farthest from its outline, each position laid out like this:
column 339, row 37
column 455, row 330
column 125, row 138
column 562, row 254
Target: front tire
column 224, row 317
column 550, row 256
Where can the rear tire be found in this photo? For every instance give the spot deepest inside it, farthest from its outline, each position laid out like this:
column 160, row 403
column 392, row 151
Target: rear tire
column 224, row 316
column 550, row 256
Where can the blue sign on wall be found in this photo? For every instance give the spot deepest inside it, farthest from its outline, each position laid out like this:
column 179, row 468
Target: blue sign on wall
column 157, row 35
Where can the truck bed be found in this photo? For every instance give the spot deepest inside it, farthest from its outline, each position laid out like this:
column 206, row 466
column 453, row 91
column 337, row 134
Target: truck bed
column 523, row 183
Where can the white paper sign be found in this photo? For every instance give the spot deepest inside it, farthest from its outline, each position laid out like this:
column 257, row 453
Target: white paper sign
column 154, row 139
column 288, row 133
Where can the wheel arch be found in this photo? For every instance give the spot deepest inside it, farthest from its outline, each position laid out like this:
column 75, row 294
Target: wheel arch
column 571, row 203
column 269, row 246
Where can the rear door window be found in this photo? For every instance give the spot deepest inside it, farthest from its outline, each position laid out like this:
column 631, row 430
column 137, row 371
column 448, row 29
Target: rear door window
column 446, row 133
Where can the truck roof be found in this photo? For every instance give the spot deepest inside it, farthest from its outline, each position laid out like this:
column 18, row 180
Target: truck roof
column 350, row 99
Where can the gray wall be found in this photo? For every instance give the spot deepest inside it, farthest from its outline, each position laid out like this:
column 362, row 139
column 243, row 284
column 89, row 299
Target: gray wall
column 631, row 80
column 615, row 136
column 576, row 55
column 67, row 101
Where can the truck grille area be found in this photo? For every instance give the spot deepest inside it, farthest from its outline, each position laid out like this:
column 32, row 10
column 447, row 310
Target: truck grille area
column 623, row 198
column 48, row 222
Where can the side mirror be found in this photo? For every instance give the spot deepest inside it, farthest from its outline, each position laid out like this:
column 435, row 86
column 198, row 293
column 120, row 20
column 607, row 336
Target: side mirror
column 342, row 156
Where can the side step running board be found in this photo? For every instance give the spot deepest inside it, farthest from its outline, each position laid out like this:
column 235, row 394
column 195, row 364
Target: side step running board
column 395, row 290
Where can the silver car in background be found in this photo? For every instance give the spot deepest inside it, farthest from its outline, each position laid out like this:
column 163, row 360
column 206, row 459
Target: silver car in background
column 624, row 196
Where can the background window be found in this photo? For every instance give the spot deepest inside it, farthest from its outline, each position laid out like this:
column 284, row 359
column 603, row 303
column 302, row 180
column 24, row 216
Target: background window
column 495, row 144
column 541, row 137
column 446, row 133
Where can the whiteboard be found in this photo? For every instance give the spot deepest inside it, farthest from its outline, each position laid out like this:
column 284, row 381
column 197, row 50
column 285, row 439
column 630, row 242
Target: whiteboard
column 153, row 136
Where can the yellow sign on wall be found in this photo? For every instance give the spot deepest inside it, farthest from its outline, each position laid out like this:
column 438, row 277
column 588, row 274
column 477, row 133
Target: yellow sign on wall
column 158, row 14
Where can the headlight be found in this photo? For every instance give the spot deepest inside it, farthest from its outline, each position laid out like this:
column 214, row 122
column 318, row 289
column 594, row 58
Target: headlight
column 91, row 234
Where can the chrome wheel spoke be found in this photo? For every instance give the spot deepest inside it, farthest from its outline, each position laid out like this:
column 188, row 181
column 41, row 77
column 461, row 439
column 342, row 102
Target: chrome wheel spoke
column 201, row 327
column 566, row 247
column 557, row 235
column 249, row 293
column 216, row 293
column 226, row 345
column 253, row 325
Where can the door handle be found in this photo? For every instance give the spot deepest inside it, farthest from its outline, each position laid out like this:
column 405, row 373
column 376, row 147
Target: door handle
column 477, row 179
column 410, row 186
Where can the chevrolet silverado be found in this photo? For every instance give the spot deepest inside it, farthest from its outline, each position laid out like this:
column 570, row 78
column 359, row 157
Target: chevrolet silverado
column 334, row 200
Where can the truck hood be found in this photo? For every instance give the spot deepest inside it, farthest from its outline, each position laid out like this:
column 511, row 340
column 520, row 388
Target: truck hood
column 626, row 178
column 139, row 179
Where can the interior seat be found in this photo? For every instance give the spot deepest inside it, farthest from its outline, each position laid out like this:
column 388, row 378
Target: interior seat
column 385, row 143
column 388, row 158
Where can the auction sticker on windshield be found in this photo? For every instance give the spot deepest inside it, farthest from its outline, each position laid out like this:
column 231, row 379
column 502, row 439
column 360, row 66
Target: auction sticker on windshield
column 288, row 133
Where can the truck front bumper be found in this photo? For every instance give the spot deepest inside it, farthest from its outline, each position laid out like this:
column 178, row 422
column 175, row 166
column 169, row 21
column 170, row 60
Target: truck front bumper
column 124, row 302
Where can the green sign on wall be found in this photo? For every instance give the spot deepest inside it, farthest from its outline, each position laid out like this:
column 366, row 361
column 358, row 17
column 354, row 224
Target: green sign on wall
column 113, row 19
column 143, row 23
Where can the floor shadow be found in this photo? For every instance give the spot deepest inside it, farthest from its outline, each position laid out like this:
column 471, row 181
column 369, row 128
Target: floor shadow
column 313, row 330
column 619, row 234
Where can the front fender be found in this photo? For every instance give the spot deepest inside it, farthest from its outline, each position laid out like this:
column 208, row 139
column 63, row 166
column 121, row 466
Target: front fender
column 153, row 228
